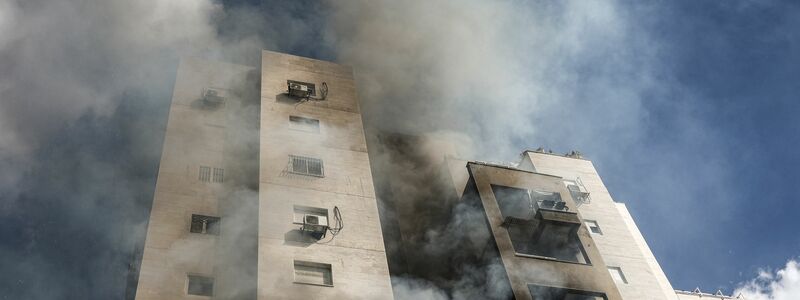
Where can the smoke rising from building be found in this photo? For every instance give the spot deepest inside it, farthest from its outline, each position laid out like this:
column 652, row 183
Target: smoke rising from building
column 85, row 86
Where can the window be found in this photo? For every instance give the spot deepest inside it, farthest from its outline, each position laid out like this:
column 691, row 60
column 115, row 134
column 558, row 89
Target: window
column 304, row 124
column 593, row 227
column 205, row 174
column 306, row 166
column 200, row 285
column 204, row 224
column 312, row 273
column 530, row 234
column 555, row 293
column 218, row 175
column 616, row 273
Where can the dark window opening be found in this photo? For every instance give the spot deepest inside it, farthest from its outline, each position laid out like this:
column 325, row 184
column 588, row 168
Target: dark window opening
column 304, row 124
column 205, row 224
column 555, row 293
column 530, row 234
column 200, row 285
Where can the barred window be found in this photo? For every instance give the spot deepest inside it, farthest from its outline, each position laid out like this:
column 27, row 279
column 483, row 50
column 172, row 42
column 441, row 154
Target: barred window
column 218, row 174
column 200, row 285
column 204, row 224
column 306, row 166
column 205, row 174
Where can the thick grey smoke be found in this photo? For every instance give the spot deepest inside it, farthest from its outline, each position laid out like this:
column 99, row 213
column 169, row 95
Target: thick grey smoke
column 505, row 74
column 85, row 85
column 492, row 70
column 84, row 91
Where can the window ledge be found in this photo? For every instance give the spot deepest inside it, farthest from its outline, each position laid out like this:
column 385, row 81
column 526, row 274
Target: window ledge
column 550, row 259
column 309, row 283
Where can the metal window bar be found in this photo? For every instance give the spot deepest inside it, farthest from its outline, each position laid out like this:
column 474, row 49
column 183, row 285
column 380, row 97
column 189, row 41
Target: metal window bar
column 219, row 175
column 205, row 174
column 306, row 166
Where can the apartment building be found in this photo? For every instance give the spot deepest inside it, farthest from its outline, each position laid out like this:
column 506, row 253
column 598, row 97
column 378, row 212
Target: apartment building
column 264, row 188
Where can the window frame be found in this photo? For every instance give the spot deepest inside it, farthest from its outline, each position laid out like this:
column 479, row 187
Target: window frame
column 218, row 175
column 205, row 224
column 304, row 124
column 204, row 174
column 326, row 267
column 617, row 270
column 190, row 276
column 589, row 227
column 306, row 160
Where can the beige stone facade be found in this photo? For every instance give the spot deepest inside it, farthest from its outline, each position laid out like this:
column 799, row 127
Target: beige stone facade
column 356, row 256
column 237, row 160
column 620, row 244
column 204, row 142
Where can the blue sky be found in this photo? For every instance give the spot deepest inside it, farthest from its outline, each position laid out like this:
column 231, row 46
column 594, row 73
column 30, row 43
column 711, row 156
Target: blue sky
column 687, row 108
column 740, row 63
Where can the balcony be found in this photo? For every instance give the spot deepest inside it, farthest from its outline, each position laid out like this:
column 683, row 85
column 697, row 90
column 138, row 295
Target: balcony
column 540, row 224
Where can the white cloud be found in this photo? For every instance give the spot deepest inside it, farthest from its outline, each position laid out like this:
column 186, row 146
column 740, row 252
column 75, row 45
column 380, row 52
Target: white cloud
column 783, row 284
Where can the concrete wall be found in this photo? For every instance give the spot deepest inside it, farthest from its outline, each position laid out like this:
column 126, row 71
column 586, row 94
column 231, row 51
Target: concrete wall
column 356, row 255
column 621, row 244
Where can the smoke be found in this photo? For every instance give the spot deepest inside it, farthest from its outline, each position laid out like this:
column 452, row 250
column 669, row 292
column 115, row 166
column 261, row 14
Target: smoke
column 487, row 69
column 84, row 92
column 85, row 86
column 783, row 284
column 508, row 75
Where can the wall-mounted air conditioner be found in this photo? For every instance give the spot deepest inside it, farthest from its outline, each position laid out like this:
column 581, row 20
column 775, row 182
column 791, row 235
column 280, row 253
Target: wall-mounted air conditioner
column 300, row 89
column 213, row 97
column 315, row 223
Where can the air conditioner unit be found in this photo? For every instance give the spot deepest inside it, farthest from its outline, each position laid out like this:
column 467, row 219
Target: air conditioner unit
column 300, row 89
column 213, row 97
column 579, row 192
column 315, row 223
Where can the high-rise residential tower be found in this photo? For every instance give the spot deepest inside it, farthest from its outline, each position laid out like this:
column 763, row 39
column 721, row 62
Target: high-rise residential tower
column 265, row 191
column 264, row 188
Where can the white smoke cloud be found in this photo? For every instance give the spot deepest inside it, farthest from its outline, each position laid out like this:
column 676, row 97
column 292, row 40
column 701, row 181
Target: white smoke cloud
column 783, row 284
column 492, row 69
